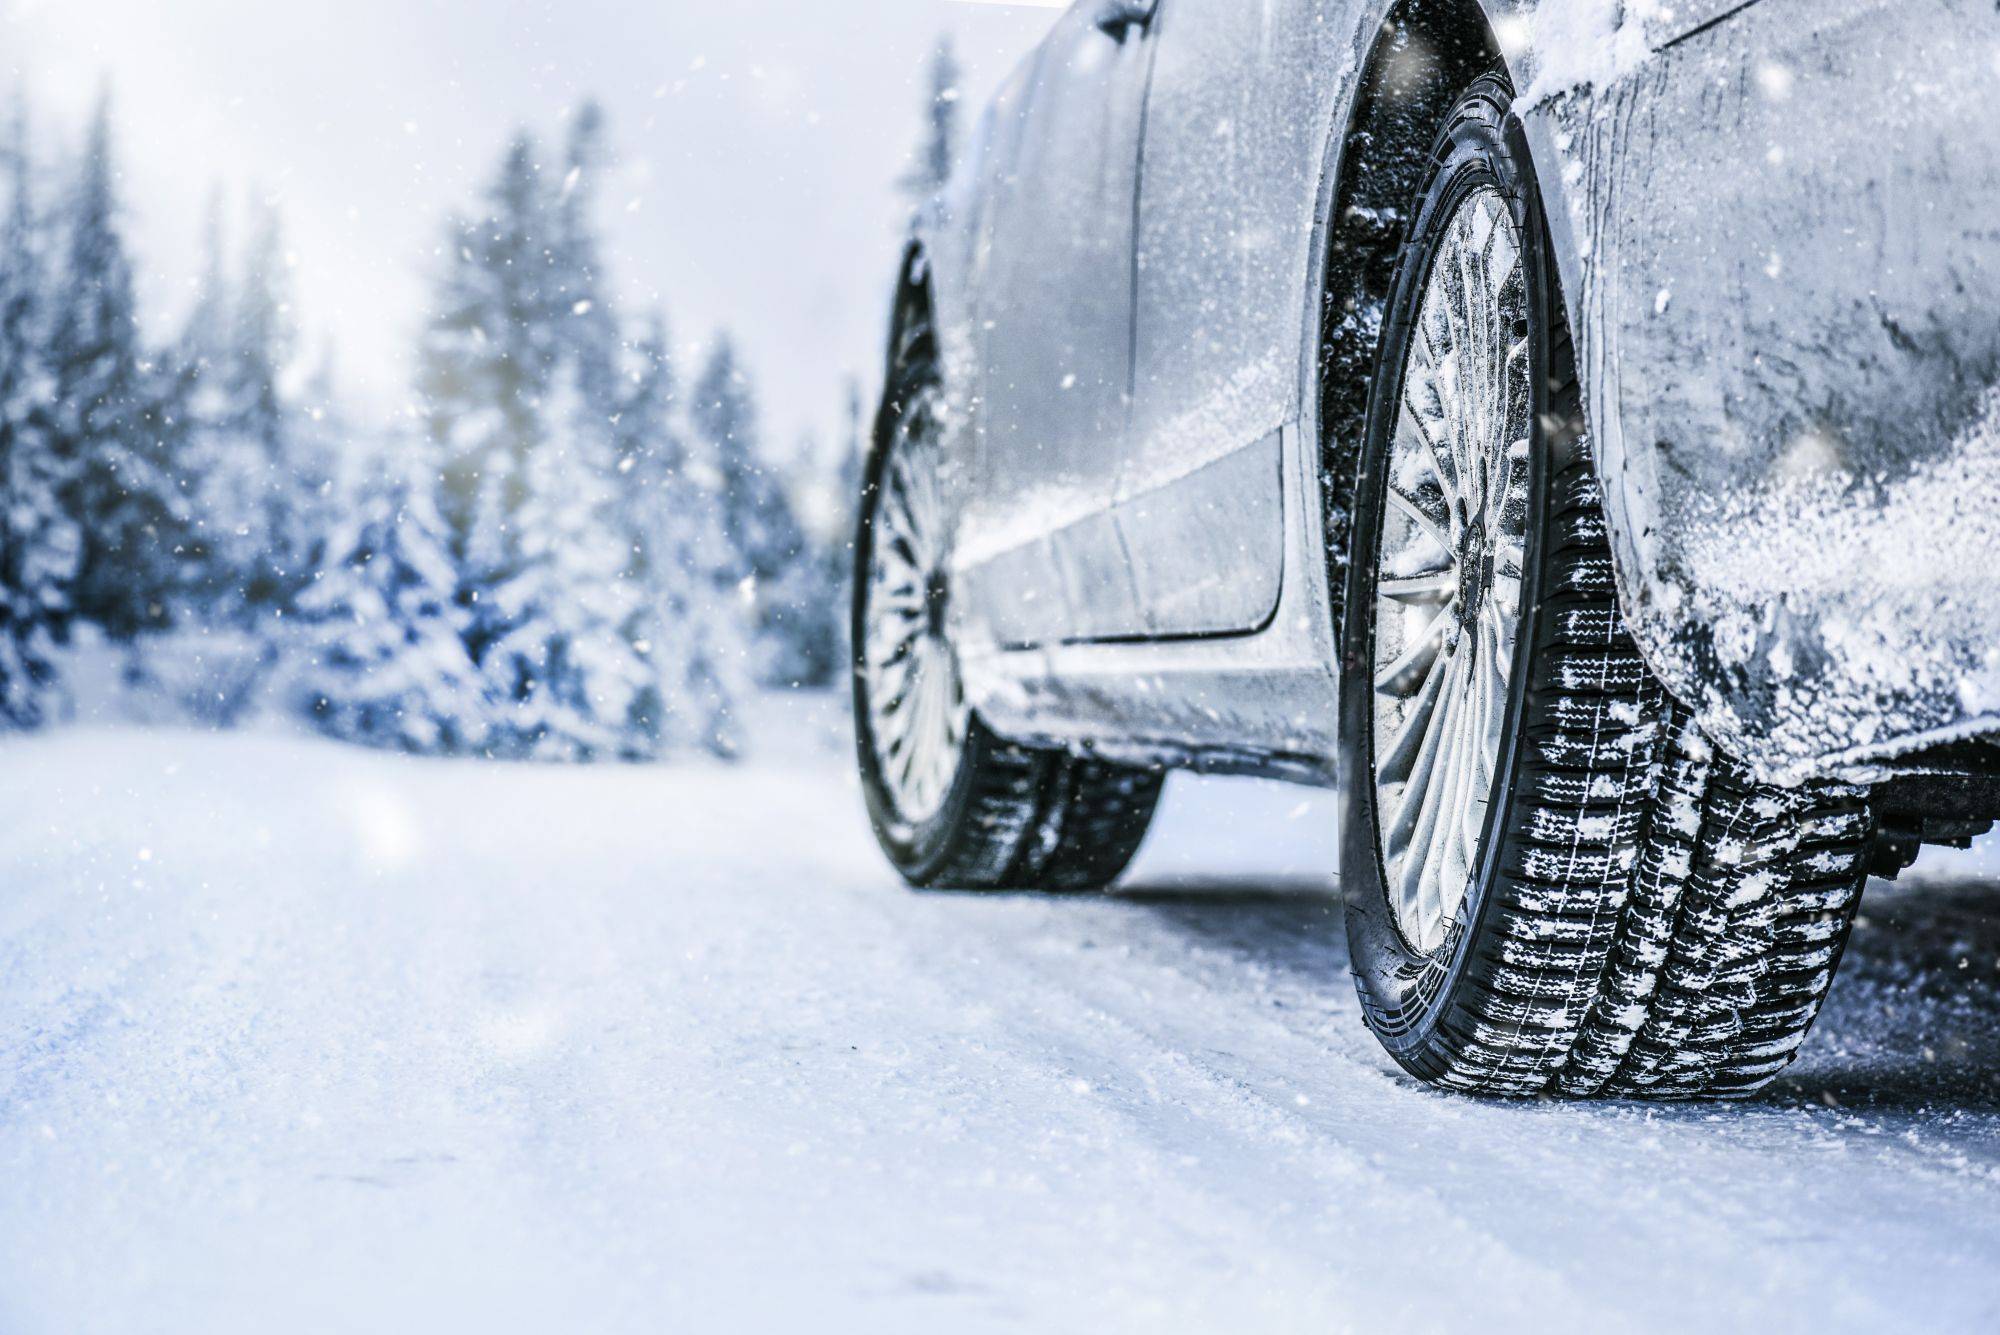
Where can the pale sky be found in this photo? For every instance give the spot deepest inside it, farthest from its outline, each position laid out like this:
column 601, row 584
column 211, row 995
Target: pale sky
column 759, row 141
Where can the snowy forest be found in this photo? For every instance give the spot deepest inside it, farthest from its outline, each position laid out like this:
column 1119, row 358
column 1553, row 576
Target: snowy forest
column 568, row 548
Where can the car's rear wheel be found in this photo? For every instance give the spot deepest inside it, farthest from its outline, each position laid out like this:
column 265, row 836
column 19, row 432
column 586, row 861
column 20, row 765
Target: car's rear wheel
column 1555, row 883
column 954, row 805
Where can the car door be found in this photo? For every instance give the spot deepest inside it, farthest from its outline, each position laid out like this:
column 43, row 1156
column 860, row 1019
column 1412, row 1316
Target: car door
column 1241, row 96
column 1039, row 540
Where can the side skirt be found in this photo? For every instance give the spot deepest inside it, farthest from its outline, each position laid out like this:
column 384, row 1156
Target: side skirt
column 1266, row 703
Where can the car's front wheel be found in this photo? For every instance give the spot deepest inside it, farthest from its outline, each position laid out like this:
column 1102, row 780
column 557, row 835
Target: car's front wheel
column 953, row 805
column 1555, row 883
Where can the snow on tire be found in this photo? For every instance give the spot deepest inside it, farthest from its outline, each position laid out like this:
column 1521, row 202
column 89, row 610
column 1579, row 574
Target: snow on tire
column 1637, row 916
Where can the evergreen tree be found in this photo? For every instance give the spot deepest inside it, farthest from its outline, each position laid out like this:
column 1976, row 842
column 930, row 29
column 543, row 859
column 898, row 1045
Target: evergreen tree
column 774, row 558
column 568, row 677
column 853, row 463
column 319, row 440
column 39, row 542
column 486, row 369
column 689, row 624
column 387, row 665
column 589, row 322
column 220, row 468
column 836, row 556
column 931, row 166
column 205, row 340
column 115, row 416
column 837, row 559
column 520, row 371
column 266, row 423
column 245, row 465
column 808, row 595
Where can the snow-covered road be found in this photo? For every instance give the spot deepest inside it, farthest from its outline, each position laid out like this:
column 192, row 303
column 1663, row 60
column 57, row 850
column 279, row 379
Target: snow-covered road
column 300, row 1038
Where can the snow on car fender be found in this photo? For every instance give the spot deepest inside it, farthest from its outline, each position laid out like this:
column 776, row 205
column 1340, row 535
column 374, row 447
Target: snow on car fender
column 1776, row 232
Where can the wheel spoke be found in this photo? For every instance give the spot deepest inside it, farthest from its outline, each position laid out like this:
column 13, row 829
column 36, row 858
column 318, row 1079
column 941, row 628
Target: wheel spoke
column 1443, row 445
column 1417, row 822
column 1404, row 672
column 1394, row 764
column 1446, row 863
column 1422, row 590
column 1415, row 513
column 1425, row 767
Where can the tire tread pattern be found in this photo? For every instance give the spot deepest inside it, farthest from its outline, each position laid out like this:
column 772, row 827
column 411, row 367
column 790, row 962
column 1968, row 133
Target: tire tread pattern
column 1664, row 926
column 1040, row 820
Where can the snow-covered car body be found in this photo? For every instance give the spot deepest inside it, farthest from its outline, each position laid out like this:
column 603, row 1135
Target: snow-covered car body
column 1158, row 275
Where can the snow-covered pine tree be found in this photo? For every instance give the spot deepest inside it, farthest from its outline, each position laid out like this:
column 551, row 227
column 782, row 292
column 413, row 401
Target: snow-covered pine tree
column 520, row 371
column 221, row 470
column 836, row 548
column 115, row 415
column 387, row 664
column 485, row 370
column 853, row 462
column 39, row 541
column 319, row 440
column 251, row 469
column 592, row 345
column 691, row 626
column 686, row 628
column 588, row 321
column 775, row 563
column 565, row 674
column 930, row 166
column 805, row 601
column 262, row 347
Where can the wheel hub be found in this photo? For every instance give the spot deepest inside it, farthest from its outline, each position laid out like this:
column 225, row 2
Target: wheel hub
column 1449, row 567
column 937, row 589
column 1473, row 573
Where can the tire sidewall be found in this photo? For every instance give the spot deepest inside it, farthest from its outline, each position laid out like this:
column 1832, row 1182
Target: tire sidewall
column 1407, row 996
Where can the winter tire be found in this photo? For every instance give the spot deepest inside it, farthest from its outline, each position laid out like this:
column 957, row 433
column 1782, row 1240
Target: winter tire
column 1555, row 884
column 953, row 805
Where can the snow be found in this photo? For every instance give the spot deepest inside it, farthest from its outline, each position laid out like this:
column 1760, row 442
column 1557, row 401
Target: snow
column 1780, row 328
column 1915, row 549
column 303, row 1037
column 1572, row 44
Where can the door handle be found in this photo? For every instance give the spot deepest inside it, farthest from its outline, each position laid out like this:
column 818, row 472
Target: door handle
column 1117, row 19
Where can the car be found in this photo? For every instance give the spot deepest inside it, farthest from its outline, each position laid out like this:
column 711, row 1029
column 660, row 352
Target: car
column 1568, row 429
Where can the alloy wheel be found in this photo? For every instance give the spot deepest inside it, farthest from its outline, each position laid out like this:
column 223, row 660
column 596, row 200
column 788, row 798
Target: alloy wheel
column 1448, row 573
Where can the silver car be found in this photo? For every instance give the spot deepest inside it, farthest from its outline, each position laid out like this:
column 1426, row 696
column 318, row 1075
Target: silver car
column 1570, row 428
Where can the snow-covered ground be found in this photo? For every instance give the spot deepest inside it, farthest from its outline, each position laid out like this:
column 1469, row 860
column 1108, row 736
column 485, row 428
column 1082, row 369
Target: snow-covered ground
column 295, row 1037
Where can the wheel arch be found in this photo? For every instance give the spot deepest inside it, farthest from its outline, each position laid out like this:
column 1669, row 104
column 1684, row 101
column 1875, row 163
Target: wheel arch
column 1415, row 58
column 913, row 317
column 913, row 293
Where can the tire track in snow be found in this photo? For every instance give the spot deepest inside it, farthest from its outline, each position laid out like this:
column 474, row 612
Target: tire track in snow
column 1697, row 1166
column 1736, row 1196
column 1191, row 1100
